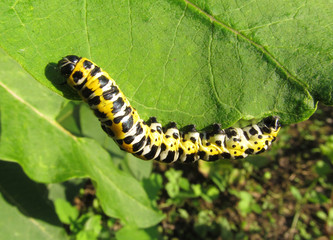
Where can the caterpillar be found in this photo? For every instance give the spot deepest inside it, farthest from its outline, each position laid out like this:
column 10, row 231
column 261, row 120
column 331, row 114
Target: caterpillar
column 149, row 140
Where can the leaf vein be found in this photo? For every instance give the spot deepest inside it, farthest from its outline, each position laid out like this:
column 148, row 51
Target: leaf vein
column 51, row 121
column 171, row 48
column 86, row 27
column 261, row 48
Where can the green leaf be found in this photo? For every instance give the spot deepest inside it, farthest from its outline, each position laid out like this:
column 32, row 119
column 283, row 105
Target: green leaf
column 26, row 213
column 130, row 232
column 91, row 128
column 153, row 185
column 330, row 217
column 317, row 197
column 48, row 153
column 296, row 193
column 327, row 148
column 67, row 190
column 185, row 61
column 139, row 169
column 245, row 203
column 213, row 193
column 322, row 168
column 91, row 229
column 65, row 211
column 68, row 119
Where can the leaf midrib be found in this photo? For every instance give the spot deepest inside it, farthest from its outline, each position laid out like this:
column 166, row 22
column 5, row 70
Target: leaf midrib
column 261, row 48
column 35, row 110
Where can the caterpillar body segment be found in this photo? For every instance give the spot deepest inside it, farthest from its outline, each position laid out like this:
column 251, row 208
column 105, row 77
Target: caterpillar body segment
column 150, row 141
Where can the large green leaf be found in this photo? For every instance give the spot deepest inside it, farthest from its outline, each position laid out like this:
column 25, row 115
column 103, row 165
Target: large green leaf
column 49, row 153
column 190, row 62
column 186, row 61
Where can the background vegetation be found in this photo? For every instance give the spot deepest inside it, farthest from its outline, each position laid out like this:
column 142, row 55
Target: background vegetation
column 186, row 61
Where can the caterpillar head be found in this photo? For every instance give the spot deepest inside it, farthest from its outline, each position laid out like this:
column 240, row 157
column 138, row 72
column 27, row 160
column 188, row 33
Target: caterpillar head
column 67, row 65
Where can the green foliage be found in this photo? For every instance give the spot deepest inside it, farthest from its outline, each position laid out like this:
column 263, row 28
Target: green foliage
column 193, row 49
column 186, row 61
column 86, row 227
column 25, row 208
column 179, row 189
column 66, row 213
column 327, row 149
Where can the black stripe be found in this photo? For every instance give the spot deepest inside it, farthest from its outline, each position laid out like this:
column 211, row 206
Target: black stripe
column 108, row 131
column 152, row 153
column 252, row 131
column 117, row 105
column 67, row 69
column 118, row 119
column 94, row 101
column 225, row 142
column 129, row 139
column 217, row 129
column 148, row 142
column 249, row 151
column 213, row 157
column 201, row 135
column 202, row 154
column 128, row 124
column 110, row 93
column 86, row 92
column 152, row 120
column 159, row 129
column 246, row 135
column 163, row 147
column 266, row 129
column 80, row 86
column 99, row 114
column 189, row 158
column 180, row 151
column 175, row 135
column 230, row 132
column 95, row 71
column 226, row 155
column 127, row 111
column 139, row 129
column 261, row 151
column 139, row 153
column 87, row 64
column 103, row 81
column 137, row 146
column 108, row 123
column 170, row 157
column 77, row 76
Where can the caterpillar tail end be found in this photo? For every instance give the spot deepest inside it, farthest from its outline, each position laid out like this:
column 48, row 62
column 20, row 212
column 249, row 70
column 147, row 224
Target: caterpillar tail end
column 272, row 122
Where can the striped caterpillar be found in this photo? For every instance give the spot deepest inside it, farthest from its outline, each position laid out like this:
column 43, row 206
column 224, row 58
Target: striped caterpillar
column 149, row 141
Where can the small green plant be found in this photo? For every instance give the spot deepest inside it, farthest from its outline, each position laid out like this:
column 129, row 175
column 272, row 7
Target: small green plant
column 82, row 226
